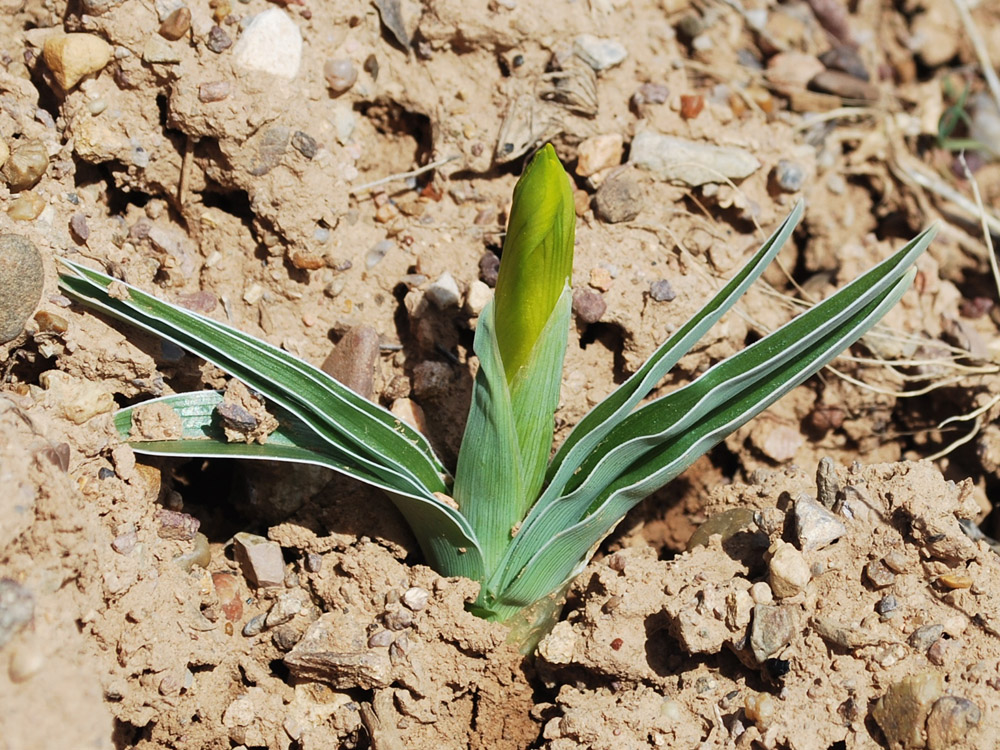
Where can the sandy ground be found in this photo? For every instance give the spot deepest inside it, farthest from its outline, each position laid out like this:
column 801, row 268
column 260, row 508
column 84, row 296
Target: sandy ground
column 250, row 161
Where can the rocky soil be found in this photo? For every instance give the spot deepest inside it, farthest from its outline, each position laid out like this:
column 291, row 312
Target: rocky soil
column 334, row 178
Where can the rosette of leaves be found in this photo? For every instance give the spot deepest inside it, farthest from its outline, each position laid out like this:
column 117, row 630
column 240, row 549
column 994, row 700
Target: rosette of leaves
column 516, row 517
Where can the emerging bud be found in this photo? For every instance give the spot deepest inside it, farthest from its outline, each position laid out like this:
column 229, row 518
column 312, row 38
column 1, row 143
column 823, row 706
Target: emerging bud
column 537, row 259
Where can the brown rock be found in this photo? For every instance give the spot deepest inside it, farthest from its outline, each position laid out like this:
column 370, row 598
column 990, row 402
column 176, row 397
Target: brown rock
column 902, row 712
column 619, row 198
column 352, row 361
column 176, row 24
column 72, row 57
column 845, row 86
column 26, row 164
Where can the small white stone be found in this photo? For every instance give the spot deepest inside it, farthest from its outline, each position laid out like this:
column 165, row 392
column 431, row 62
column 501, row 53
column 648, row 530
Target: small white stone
column 599, row 54
column 260, row 559
column 415, row 598
column 598, row 153
column 444, row 292
column 271, row 43
column 815, row 526
column 478, row 297
column 761, row 593
column 789, row 570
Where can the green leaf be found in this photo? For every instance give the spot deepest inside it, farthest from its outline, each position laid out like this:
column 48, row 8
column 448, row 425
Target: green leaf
column 779, row 360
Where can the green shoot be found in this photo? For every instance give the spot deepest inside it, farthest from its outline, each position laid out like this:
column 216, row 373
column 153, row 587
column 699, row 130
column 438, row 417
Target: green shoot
column 520, row 523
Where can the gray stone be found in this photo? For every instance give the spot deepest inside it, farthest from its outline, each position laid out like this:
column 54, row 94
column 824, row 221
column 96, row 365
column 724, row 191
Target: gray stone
column 789, row 176
column 444, row 292
column 260, row 559
column 600, row 54
column 690, row 162
column 815, row 526
column 619, row 198
column 21, row 281
column 335, row 651
column 924, row 637
column 588, row 305
column 271, row 43
column 772, row 629
column 271, row 146
column 283, row 610
column 661, row 291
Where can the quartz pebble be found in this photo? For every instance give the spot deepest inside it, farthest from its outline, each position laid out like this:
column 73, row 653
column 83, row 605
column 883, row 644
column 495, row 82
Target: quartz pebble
column 340, row 74
column 21, row 280
column 415, row 598
column 260, row 559
column 270, row 43
column 444, row 292
column 690, row 162
column 599, row 152
column 650, row 93
column 600, row 54
column 283, row 610
column 26, row 164
column 478, row 296
column 72, row 57
column 815, row 526
column 409, row 411
column 618, row 199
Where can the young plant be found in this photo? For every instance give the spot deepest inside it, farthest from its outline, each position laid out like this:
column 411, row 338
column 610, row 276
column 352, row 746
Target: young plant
column 512, row 518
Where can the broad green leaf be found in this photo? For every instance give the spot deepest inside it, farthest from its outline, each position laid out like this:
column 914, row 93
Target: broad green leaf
column 684, row 411
column 567, row 550
column 590, row 430
column 313, row 395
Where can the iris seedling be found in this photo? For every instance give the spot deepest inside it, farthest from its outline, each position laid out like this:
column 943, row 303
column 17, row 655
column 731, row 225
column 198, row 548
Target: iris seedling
column 515, row 517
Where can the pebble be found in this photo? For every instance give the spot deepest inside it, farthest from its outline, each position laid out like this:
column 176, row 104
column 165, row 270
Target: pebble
column 352, row 361
column 260, row 559
column 661, row 291
column 887, row 605
column 305, row 144
column 925, row 636
column 340, row 74
column 71, row 57
column 27, row 207
column 431, row 379
column 815, row 526
column 25, row 663
column 21, row 280
column 444, row 292
column 17, row 608
column 878, row 574
column 409, row 411
column 157, row 50
column 4, row 152
column 218, row 40
column 950, row 721
column 415, row 598
column 789, row 176
column 26, row 164
column 902, row 711
column 489, row 268
column 176, row 24
column 588, row 305
column 844, row 85
column 792, row 71
column 478, row 296
column 200, row 554
column 228, row 590
column 397, row 618
column 725, row 524
column 285, row 638
column 600, row 54
column 845, row 58
column 772, row 629
column 79, row 228
column 175, row 525
column 789, row 571
column 650, row 93
column 214, row 91
column 599, row 152
column 618, row 199
column 283, row 610
column 942, row 650
column 270, row 43
column 690, row 162
column 254, row 626
column 380, row 639
column 691, row 105
column 125, row 542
